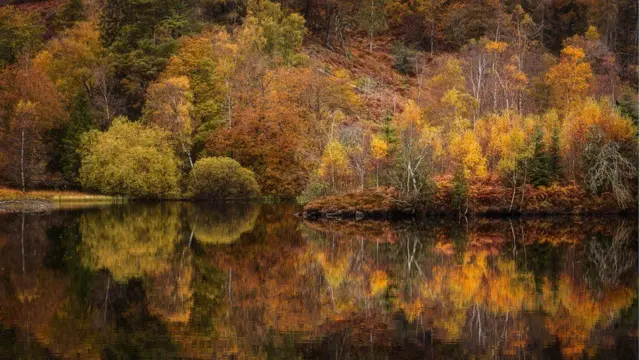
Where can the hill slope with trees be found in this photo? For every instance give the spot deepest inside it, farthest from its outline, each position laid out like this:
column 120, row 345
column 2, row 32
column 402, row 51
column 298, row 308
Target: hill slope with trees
column 325, row 97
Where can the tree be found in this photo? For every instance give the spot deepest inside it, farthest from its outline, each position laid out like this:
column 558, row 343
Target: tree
column 431, row 11
column 77, row 62
column 72, row 12
column 460, row 192
column 465, row 20
column 575, row 132
column 569, row 79
column 449, row 103
column 141, row 36
column 404, row 59
column 372, row 18
column 169, row 106
column 555, row 158
column 219, row 178
column 466, row 154
column 71, row 59
column 540, row 162
column 628, row 105
column 283, row 33
column 357, row 145
column 209, row 60
column 417, row 148
column 131, row 160
column 334, row 164
column 607, row 169
column 379, row 151
column 80, row 122
column 31, row 106
column 513, row 146
column 20, row 34
column 282, row 120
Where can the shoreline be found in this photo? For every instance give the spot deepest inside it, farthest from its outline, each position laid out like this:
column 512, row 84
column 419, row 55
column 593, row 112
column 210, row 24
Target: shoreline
column 483, row 201
column 14, row 200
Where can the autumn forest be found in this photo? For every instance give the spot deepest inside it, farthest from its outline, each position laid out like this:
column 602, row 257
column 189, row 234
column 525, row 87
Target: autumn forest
column 318, row 179
column 239, row 99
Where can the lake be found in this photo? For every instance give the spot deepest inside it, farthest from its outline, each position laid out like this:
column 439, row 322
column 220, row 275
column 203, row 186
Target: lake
column 196, row 281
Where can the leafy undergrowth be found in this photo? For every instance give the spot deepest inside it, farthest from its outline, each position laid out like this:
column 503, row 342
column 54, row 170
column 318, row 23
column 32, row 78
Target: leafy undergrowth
column 8, row 194
column 488, row 197
column 381, row 202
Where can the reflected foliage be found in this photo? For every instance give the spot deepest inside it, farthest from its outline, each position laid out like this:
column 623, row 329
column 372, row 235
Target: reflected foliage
column 130, row 241
column 141, row 281
column 221, row 225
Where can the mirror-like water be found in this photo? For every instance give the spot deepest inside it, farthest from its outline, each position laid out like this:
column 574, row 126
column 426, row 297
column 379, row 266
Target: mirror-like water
column 179, row 280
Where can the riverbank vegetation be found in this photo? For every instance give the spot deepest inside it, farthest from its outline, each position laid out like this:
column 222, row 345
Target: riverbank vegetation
column 493, row 104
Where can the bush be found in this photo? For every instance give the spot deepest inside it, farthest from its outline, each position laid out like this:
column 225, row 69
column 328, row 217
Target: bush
column 130, row 159
column 222, row 178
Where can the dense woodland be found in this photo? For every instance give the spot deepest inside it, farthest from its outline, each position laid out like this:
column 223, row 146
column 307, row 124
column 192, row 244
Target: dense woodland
column 318, row 97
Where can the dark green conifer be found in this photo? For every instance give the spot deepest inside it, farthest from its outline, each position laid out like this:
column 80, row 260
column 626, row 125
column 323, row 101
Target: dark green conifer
column 555, row 169
column 541, row 162
column 80, row 121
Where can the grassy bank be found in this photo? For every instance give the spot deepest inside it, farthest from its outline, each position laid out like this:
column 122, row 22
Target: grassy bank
column 8, row 194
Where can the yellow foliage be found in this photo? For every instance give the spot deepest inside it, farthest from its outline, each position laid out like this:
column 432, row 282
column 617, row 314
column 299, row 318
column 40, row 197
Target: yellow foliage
column 496, row 46
column 466, row 151
column 130, row 242
column 169, row 106
column 573, row 52
column 410, row 117
column 378, row 282
column 334, row 162
column 592, row 33
column 223, row 227
column 379, row 148
column 335, row 270
column 70, row 60
column 569, row 80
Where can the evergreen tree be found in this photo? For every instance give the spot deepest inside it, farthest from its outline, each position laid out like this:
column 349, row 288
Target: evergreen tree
column 460, row 192
column 555, row 170
column 541, row 162
column 628, row 106
column 388, row 131
column 80, row 121
column 72, row 12
column 141, row 37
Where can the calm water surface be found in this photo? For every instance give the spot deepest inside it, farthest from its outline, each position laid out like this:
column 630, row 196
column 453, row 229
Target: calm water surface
column 173, row 280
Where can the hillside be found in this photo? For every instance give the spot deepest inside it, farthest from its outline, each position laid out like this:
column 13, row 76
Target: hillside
column 319, row 98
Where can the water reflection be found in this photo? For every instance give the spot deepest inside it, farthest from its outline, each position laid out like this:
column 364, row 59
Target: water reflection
column 181, row 280
column 130, row 241
column 223, row 224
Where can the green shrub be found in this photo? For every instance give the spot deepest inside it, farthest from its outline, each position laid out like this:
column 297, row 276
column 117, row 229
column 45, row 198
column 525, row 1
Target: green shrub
column 222, row 178
column 130, row 159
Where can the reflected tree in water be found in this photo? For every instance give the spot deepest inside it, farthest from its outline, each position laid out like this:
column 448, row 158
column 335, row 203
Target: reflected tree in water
column 130, row 241
column 221, row 224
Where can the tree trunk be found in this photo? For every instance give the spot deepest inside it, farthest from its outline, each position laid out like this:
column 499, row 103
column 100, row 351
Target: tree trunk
column 22, row 160
column 513, row 195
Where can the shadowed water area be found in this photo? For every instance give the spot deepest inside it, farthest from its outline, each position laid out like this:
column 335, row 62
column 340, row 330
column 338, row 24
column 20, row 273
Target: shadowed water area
column 197, row 281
